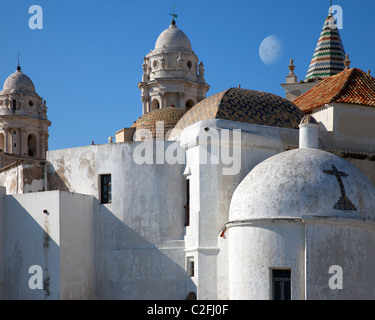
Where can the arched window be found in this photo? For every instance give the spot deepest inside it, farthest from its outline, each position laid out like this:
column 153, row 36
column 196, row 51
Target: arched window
column 154, row 104
column 31, row 145
column 189, row 104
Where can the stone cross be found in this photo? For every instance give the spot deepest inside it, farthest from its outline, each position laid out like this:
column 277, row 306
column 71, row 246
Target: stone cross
column 173, row 14
column 18, row 57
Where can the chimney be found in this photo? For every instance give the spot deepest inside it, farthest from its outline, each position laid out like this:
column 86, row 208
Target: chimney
column 309, row 133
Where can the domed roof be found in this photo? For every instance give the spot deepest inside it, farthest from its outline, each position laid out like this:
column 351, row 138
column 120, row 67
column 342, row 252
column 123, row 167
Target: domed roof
column 304, row 182
column 159, row 122
column 173, row 38
column 18, row 82
column 244, row 105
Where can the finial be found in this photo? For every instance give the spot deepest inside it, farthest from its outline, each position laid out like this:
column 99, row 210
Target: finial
column 18, row 57
column 330, row 9
column 347, row 62
column 173, row 23
column 369, row 72
column 291, row 67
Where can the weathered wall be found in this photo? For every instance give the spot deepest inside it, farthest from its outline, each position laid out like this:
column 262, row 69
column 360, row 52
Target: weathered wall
column 348, row 244
column 77, row 246
column 53, row 230
column 23, row 177
column 2, row 242
column 32, row 238
column 12, row 180
column 139, row 249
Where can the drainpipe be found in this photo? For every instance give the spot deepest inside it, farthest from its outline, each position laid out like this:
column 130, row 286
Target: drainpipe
column 45, row 176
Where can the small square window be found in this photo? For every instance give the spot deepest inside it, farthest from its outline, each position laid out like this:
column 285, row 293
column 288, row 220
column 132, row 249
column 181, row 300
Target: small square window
column 105, row 188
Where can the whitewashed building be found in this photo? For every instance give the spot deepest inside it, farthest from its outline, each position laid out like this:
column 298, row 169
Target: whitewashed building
column 239, row 195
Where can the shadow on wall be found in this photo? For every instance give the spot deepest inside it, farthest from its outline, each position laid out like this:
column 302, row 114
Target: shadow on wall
column 55, row 180
column 126, row 265
column 130, row 267
column 29, row 244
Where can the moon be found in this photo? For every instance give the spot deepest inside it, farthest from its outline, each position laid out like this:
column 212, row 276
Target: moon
column 270, row 50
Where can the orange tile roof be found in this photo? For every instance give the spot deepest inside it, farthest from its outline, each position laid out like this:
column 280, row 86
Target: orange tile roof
column 350, row 86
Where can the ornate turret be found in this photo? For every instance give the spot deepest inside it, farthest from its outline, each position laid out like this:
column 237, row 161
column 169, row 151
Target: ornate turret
column 23, row 118
column 172, row 74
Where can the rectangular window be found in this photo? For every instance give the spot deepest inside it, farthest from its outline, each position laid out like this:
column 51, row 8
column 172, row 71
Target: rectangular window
column 14, row 105
column 190, row 267
column 105, row 188
column 187, row 206
column 281, row 284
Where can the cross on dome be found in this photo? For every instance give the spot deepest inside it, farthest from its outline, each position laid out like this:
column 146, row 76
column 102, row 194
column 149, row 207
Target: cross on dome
column 18, row 57
column 173, row 15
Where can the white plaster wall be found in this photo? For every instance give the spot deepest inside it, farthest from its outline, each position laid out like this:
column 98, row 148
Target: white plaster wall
column 32, row 238
column 254, row 250
column 211, row 193
column 223, row 267
column 347, row 243
column 354, row 124
column 325, row 117
column 60, row 241
column 77, row 246
column 2, row 242
column 139, row 250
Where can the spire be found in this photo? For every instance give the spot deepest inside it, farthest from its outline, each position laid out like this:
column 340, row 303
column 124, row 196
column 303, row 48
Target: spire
column 329, row 55
column 18, row 57
column 173, row 22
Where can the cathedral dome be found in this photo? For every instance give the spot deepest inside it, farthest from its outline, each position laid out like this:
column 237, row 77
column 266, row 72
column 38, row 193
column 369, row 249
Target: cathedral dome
column 304, row 182
column 247, row 106
column 158, row 122
column 174, row 39
column 18, row 82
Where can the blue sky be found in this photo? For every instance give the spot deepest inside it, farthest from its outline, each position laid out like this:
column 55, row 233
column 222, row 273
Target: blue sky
column 87, row 60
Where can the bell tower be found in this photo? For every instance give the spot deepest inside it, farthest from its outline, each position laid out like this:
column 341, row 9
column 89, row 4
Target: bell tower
column 23, row 118
column 172, row 73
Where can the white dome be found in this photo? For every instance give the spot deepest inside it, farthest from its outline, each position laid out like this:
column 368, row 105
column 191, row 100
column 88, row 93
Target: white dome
column 18, row 82
column 173, row 38
column 304, row 182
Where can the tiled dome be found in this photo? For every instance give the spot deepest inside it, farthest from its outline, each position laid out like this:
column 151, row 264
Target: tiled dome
column 158, row 122
column 247, row 106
